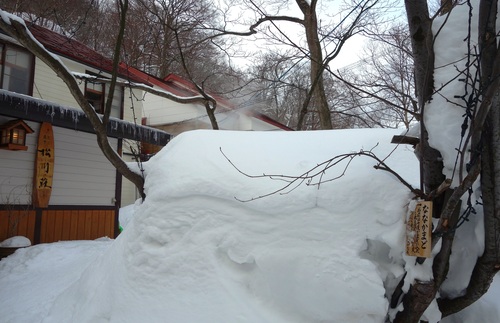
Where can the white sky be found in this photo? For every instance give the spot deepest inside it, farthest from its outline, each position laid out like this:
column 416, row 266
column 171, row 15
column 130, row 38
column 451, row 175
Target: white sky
column 329, row 12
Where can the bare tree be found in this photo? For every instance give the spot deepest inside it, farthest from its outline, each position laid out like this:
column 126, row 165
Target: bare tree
column 19, row 31
column 323, row 42
column 480, row 132
column 278, row 87
column 281, row 86
column 382, row 84
column 93, row 22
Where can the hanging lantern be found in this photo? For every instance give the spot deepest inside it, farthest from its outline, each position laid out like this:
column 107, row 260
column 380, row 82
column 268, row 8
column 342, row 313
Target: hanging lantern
column 14, row 135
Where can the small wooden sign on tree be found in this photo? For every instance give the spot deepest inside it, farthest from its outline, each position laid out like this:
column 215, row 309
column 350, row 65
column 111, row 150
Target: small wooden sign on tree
column 418, row 230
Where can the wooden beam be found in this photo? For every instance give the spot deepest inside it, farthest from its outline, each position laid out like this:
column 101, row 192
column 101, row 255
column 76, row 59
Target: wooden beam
column 405, row 140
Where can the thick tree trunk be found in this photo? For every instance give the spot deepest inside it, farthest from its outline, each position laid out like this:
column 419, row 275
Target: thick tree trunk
column 485, row 140
column 422, row 293
column 423, row 56
column 316, row 58
column 489, row 263
column 415, row 302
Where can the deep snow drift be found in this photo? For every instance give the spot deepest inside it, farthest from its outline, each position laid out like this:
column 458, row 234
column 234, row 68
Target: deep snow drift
column 193, row 253
column 198, row 254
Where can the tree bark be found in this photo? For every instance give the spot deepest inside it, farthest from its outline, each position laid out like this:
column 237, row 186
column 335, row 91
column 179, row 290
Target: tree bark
column 485, row 150
column 423, row 55
column 421, row 294
column 416, row 301
column 316, row 58
column 489, row 145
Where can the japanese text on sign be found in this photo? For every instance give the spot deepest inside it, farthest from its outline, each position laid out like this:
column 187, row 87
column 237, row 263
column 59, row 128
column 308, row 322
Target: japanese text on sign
column 418, row 231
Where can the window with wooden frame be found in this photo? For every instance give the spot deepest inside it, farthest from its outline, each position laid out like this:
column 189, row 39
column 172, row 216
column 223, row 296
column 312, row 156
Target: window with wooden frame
column 94, row 93
column 17, row 66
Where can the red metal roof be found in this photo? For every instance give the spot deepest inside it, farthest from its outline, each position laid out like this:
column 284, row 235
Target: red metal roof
column 75, row 50
column 179, row 86
column 175, row 84
column 270, row 120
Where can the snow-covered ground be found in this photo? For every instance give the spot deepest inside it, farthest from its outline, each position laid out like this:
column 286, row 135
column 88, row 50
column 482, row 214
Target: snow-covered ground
column 212, row 244
column 199, row 249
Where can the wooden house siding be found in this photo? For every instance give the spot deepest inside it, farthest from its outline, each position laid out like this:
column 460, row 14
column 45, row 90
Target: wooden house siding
column 17, row 222
column 47, row 85
column 58, row 224
column 83, row 176
column 61, row 225
column 16, row 171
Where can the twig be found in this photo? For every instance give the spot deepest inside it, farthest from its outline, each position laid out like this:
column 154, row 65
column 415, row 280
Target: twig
column 294, row 181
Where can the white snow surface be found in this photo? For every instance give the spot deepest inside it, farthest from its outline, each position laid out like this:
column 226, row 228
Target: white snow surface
column 193, row 253
column 15, row 242
column 277, row 259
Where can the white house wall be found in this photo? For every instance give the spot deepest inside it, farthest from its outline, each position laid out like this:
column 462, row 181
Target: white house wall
column 48, row 86
column 161, row 111
column 16, row 171
column 133, row 105
column 90, row 178
column 132, row 112
column 82, row 175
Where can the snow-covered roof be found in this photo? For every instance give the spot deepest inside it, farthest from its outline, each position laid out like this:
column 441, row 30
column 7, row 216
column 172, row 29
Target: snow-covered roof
column 28, row 108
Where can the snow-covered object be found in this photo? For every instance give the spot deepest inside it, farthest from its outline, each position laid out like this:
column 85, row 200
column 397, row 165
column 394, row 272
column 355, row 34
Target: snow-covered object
column 194, row 253
column 16, row 242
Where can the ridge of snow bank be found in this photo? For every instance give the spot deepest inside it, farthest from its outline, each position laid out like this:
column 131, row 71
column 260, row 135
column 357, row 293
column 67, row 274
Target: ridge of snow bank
column 193, row 253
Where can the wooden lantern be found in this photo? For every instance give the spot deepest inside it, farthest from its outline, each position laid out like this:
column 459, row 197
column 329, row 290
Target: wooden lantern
column 14, row 135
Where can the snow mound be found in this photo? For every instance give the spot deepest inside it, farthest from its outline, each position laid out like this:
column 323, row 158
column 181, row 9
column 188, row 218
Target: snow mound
column 16, row 242
column 194, row 252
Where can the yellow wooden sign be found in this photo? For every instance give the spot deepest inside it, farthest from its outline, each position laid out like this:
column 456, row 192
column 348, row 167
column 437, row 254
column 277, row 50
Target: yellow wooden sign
column 419, row 230
column 44, row 166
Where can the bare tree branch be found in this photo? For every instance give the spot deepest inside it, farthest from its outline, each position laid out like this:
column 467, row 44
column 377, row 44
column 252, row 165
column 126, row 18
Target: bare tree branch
column 315, row 175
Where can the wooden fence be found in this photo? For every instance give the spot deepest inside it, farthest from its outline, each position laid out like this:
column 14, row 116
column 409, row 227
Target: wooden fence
column 17, row 223
column 51, row 225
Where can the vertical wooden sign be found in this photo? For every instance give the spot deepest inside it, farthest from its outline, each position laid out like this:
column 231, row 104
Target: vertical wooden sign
column 419, row 230
column 44, row 166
